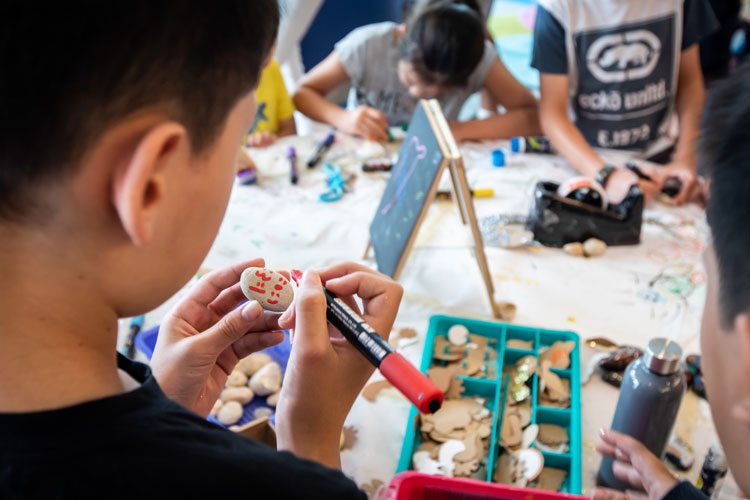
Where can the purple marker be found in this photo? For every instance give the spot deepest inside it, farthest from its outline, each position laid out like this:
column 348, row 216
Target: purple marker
column 291, row 155
column 321, row 150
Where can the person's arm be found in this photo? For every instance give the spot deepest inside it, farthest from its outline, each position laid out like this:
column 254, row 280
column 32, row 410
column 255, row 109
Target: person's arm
column 689, row 104
column 311, row 101
column 570, row 143
column 520, row 119
column 287, row 127
column 326, row 373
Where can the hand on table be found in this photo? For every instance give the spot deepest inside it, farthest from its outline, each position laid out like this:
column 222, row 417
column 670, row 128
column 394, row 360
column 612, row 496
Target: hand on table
column 261, row 139
column 244, row 162
column 204, row 336
column 619, row 182
column 635, row 465
column 686, row 173
column 367, row 122
column 325, row 372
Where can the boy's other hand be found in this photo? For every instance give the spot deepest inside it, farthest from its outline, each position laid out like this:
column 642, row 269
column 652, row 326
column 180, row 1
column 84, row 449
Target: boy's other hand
column 325, row 372
column 261, row 139
column 635, row 465
column 685, row 172
column 367, row 122
column 619, row 183
column 205, row 335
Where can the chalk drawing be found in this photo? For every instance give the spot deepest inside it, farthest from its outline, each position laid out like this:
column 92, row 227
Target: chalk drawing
column 403, row 174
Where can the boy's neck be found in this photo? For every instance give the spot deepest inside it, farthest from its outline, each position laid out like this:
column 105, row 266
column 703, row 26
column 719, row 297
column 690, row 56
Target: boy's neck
column 57, row 335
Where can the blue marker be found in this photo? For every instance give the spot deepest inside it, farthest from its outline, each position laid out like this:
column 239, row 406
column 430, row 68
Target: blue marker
column 321, row 150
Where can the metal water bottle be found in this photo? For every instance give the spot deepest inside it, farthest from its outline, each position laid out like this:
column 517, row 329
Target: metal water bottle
column 650, row 396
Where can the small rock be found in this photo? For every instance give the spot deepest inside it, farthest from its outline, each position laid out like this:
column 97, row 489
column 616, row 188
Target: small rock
column 253, row 363
column 267, row 380
column 243, row 395
column 273, row 399
column 593, row 247
column 230, row 413
column 574, row 249
column 262, row 412
column 236, row 379
column 271, row 289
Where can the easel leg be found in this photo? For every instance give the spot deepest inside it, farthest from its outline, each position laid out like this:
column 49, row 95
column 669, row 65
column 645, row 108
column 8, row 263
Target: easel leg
column 454, row 178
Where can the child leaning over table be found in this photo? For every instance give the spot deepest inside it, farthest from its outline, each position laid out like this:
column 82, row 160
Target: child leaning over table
column 612, row 75
column 439, row 53
column 725, row 331
column 114, row 183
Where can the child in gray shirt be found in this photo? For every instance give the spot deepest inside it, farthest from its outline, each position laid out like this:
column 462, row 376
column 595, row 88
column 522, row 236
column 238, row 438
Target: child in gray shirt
column 440, row 53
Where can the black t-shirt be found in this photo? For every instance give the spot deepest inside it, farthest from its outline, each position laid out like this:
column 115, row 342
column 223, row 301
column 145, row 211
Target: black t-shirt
column 684, row 491
column 142, row 445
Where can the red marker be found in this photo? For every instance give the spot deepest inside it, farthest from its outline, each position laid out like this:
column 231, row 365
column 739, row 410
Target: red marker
column 395, row 368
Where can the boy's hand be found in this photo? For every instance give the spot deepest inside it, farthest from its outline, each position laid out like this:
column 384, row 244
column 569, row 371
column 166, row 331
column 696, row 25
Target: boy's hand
column 633, row 464
column 206, row 334
column 367, row 122
column 261, row 139
column 619, row 183
column 690, row 189
column 325, row 372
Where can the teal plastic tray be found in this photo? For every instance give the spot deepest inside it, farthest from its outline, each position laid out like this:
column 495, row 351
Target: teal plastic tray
column 494, row 389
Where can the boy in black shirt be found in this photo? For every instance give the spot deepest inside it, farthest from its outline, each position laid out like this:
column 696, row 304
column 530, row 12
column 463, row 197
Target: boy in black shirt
column 118, row 138
column 725, row 332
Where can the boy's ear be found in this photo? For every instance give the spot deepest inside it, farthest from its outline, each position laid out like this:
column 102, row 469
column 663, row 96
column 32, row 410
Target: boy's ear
column 139, row 183
column 741, row 407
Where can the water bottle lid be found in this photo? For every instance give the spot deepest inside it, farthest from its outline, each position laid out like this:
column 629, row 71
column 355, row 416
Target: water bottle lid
column 515, row 144
column 662, row 356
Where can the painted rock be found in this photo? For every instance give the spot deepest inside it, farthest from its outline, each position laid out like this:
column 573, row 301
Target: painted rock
column 271, row 289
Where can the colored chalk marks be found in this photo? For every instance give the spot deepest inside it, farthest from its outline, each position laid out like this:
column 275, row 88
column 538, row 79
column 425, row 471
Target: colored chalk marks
column 404, row 199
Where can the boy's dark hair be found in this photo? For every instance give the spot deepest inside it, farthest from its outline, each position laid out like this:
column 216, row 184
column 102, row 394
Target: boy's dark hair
column 444, row 41
column 725, row 156
column 70, row 70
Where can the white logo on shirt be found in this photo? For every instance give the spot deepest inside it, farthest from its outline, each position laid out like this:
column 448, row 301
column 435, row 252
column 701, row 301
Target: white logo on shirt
column 625, row 56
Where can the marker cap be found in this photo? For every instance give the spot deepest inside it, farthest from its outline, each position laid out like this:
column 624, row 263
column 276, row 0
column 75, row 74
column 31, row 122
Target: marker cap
column 412, row 383
column 498, row 158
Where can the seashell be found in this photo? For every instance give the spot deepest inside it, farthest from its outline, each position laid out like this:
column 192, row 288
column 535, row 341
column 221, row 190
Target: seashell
column 271, row 289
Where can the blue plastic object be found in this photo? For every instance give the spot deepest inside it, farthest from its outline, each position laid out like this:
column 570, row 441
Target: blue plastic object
column 336, row 183
column 498, row 158
column 515, row 144
column 145, row 341
column 247, row 177
column 494, row 390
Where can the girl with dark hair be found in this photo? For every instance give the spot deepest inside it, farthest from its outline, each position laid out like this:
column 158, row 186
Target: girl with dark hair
column 441, row 53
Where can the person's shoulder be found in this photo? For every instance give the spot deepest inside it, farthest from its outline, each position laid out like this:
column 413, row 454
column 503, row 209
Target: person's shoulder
column 372, row 34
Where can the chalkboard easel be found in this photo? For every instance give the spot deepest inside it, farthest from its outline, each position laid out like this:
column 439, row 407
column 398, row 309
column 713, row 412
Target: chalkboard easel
column 427, row 150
